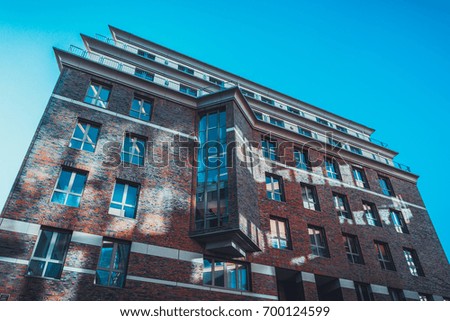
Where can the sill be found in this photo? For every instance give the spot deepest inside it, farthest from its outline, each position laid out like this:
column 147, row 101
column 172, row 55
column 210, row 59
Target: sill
column 227, row 289
column 120, row 216
column 42, row 277
column 108, row 286
column 82, row 150
column 289, row 249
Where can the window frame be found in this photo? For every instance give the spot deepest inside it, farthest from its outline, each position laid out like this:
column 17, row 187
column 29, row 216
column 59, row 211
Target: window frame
column 96, row 99
column 132, row 154
column 269, row 149
column 85, row 135
column 362, row 183
column 396, row 294
column 360, row 288
column 353, row 257
column 315, row 203
column 398, row 221
column 277, row 236
column 142, row 101
column 332, row 168
column 386, row 263
column 73, row 173
column 123, row 204
column 301, row 159
column 375, row 216
column 272, row 191
column 346, row 212
column 48, row 258
column 225, row 274
column 321, row 249
column 388, row 189
column 188, row 90
column 111, row 269
column 413, row 262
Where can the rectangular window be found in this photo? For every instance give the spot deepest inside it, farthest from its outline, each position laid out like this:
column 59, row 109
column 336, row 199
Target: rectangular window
column 267, row 101
column 274, row 188
column 269, row 149
column 396, row 294
column 399, row 222
column 355, row 150
column 341, row 206
column 276, row 122
column 363, row 291
column 97, row 95
column 258, row 115
column 141, row 109
column 302, row 160
column 69, row 188
column 247, row 93
column 112, row 263
column 186, row 69
column 341, row 129
column 225, row 274
column 322, row 121
column 146, row 55
column 295, row 111
column 386, row 186
column 188, row 90
column 352, row 248
column 144, row 74
column 124, row 200
column 384, row 256
column 279, row 233
column 85, row 136
column 216, row 81
column 371, row 214
column 49, row 253
column 304, row 132
column 332, row 168
column 334, row 142
column 415, row 268
column 425, row 297
column 360, row 177
column 318, row 241
column 309, row 196
column 133, row 150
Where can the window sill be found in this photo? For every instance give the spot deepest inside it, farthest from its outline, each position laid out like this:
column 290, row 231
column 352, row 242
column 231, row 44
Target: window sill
column 42, row 278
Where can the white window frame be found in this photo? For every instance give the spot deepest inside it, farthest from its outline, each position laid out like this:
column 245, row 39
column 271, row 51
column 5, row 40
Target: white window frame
column 69, row 186
column 311, row 202
column 86, row 137
column 371, row 217
column 123, row 204
column 134, row 140
column 320, row 249
column 96, row 100
column 272, row 188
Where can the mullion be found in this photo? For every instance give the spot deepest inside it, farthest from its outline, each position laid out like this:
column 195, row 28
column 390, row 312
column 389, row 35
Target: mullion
column 69, row 186
column 111, row 263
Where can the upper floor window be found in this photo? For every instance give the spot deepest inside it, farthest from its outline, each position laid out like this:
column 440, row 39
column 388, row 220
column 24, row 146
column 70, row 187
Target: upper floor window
column 274, row 188
column 269, row 149
column 69, row 188
column 341, row 129
column 225, row 274
column 341, row 206
column 124, row 200
column 295, row 111
column 186, row 69
column 112, row 263
column 386, row 186
column 384, row 256
column 279, row 233
column 332, row 168
column 371, row 214
column 399, row 222
column 318, row 241
column 352, row 248
column 141, row 109
column 276, row 122
column 363, row 291
column 415, row 268
column 98, row 95
column 360, row 177
column 247, row 93
column 216, row 81
column 302, row 160
column 334, row 142
column 258, row 115
column 322, row 121
column 267, row 100
column 356, row 150
column 144, row 74
column 85, row 136
column 49, row 253
column 146, row 54
column 309, row 196
column 188, row 90
column 133, row 150
column 304, row 132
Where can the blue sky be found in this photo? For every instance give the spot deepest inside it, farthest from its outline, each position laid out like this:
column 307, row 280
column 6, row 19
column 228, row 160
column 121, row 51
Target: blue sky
column 385, row 64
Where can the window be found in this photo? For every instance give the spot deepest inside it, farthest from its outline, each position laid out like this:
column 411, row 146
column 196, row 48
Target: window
column 216, row 81
column 332, row 168
column 334, row 142
column 186, row 69
column 124, row 200
column 274, row 189
column 85, row 136
column 133, row 150
column 141, row 109
column 413, row 262
column 269, row 149
column 226, row 274
column 309, row 196
column 267, row 100
column 425, row 297
column 188, row 90
column 295, row 111
column 49, row 253
column 352, row 248
column 355, row 150
column 363, row 291
column 341, row 206
column 371, row 213
column 145, row 54
column 399, row 222
column 322, row 121
column 341, row 129
column 360, row 178
column 258, row 115
column 144, row 74
column 279, row 233
column 112, row 263
column 386, row 186
column 304, row 132
column 384, row 256
column 396, row 294
column 247, row 93
column 69, row 188
column 318, row 241
column 276, row 122
column 97, row 95
column 302, row 160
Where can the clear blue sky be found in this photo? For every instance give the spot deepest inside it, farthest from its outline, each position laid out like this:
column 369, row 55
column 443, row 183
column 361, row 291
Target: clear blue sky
column 383, row 63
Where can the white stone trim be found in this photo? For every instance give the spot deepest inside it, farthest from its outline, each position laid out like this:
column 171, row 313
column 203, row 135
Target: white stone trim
column 438, row 298
column 308, row 277
column 86, row 238
column 412, row 295
column 190, row 256
column 109, row 112
column 13, row 260
column 347, row 284
column 379, row 289
column 261, row 296
column 78, row 270
column 262, row 269
column 7, row 224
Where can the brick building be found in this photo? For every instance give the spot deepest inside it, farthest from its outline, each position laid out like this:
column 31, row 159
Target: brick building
column 154, row 176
